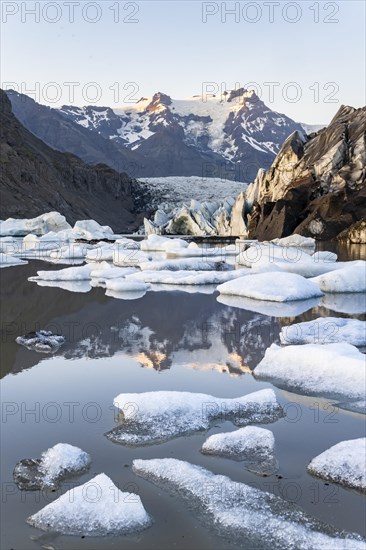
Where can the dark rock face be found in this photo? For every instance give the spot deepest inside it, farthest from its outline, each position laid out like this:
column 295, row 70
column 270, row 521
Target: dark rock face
column 316, row 186
column 37, row 179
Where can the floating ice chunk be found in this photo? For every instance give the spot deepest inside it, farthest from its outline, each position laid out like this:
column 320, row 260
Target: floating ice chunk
column 325, row 330
column 186, row 277
column 126, row 285
column 126, row 257
column 70, row 251
column 91, row 230
column 204, row 252
column 55, row 464
column 52, row 221
column 288, row 259
column 101, row 253
column 154, row 417
column 283, row 287
column 68, row 274
column 162, row 244
column 187, row 264
column 9, row 261
column 100, row 276
column 350, row 303
column 42, row 341
column 325, row 256
column 344, row 463
column 106, row 511
column 329, row 370
column 250, row 517
column 347, row 279
column 272, row 309
column 255, row 446
column 296, row 240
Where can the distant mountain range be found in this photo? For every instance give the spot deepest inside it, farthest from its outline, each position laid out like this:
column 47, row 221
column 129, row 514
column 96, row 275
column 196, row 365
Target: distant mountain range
column 160, row 136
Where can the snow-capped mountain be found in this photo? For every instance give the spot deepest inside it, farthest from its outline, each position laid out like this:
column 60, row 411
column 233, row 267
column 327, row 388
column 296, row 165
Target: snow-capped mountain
column 230, row 138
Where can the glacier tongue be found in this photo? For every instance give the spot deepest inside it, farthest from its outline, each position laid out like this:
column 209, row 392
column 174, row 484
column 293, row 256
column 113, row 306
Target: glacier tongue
column 255, row 519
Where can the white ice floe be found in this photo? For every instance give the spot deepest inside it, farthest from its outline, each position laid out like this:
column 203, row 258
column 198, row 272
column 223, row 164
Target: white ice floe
column 278, row 287
column 187, row 264
column 288, row 259
column 296, row 241
column 203, row 252
column 162, row 244
column 9, row 261
column 71, row 251
column 130, row 257
column 55, row 464
column 350, row 278
column 344, row 463
column 252, row 518
column 253, row 445
column 105, row 511
column 350, row 303
column 42, row 341
column 186, row 277
column 91, row 230
column 329, row 370
column 82, row 273
column 126, row 285
column 100, row 276
column 325, row 330
column 52, row 221
column 157, row 416
column 271, row 309
column 100, row 253
column 325, row 256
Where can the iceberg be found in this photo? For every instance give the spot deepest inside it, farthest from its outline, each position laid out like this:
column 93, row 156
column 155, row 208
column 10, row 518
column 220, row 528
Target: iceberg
column 90, row 230
column 328, row 370
column 126, row 285
column 243, row 514
column 185, row 277
column 346, row 279
column 42, row 341
column 52, row 221
column 68, row 274
column 187, row 264
column 296, row 240
column 56, row 464
column 162, row 244
column 157, row 416
column 253, row 445
column 105, row 511
column 325, row 330
column 344, row 463
column 278, row 287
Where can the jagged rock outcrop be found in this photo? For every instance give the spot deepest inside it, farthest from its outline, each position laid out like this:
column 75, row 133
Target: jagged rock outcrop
column 317, row 184
column 37, row 179
column 355, row 234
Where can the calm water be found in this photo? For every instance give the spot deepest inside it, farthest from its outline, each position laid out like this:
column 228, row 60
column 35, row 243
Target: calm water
column 162, row 341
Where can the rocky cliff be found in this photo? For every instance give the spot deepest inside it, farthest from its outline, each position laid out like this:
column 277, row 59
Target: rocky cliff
column 316, row 186
column 37, row 179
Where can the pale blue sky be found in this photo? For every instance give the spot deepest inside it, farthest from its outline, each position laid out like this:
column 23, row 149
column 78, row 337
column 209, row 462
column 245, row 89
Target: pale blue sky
column 171, row 49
